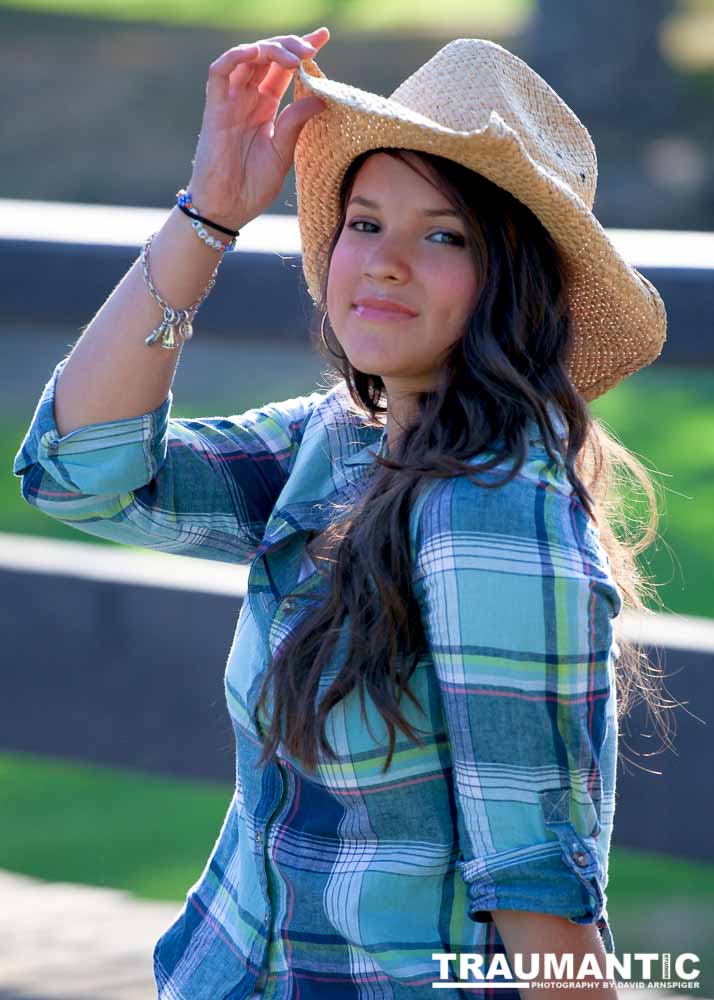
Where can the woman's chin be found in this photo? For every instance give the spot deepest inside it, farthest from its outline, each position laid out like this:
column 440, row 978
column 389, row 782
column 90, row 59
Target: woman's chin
column 370, row 361
column 372, row 349
column 373, row 366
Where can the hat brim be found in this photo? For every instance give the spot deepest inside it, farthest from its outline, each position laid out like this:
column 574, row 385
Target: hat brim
column 618, row 317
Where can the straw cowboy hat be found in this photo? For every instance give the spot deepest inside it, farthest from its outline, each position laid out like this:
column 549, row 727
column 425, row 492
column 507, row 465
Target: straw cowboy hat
column 477, row 103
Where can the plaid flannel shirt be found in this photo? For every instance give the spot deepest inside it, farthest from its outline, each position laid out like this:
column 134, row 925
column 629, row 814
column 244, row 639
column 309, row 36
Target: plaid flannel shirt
column 344, row 883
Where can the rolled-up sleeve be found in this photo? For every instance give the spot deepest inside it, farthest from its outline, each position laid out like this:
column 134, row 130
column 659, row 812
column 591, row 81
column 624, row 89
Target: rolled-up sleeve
column 517, row 602
column 203, row 487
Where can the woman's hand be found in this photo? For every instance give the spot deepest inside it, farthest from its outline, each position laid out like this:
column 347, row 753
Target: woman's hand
column 243, row 153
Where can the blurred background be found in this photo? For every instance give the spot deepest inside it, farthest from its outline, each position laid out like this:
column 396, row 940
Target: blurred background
column 108, row 810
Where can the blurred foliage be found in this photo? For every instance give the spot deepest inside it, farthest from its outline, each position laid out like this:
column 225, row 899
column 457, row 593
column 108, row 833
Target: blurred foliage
column 112, row 827
column 665, row 416
column 298, row 15
column 687, row 41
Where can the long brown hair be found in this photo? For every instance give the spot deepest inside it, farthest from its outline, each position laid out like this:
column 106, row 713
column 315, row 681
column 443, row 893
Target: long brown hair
column 502, row 372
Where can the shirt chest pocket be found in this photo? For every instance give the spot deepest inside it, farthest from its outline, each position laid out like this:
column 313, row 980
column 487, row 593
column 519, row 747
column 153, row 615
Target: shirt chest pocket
column 309, row 589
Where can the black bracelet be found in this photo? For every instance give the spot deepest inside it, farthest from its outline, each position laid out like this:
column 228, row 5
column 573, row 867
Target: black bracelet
column 207, row 222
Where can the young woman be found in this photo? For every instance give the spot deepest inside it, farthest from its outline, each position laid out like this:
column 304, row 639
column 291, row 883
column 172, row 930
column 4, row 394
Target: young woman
column 423, row 680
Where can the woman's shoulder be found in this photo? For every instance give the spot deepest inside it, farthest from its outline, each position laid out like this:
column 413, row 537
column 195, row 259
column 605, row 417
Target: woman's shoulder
column 537, row 513
column 496, row 492
column 496, row 487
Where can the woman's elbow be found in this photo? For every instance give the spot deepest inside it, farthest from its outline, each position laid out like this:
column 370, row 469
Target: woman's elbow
column 531, row 934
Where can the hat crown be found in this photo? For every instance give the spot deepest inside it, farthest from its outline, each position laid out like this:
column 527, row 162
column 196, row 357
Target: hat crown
column 473, row 84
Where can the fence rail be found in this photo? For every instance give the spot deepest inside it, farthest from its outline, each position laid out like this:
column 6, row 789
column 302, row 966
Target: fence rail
column 62, row 260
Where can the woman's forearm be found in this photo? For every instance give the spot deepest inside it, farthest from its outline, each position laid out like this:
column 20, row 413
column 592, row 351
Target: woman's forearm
column 111, row 373
column 528, row 934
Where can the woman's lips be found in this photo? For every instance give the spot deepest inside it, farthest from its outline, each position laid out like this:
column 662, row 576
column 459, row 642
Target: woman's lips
column 381, row 315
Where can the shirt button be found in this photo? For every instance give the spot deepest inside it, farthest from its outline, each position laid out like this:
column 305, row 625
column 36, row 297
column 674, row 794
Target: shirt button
column 259, row 837
column 581, row 859
column 265, row 917
column 53, row 446
column 288, row 605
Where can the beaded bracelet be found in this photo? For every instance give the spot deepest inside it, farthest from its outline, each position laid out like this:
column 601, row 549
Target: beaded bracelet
column 177, row 324
column 184, row 202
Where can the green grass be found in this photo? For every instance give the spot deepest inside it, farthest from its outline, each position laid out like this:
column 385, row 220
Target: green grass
column 112, row 827
column 631, row 877
column 664, row 415
column 299, row 15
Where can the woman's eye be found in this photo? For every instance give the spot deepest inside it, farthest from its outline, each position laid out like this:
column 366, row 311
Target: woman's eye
column 457, row 240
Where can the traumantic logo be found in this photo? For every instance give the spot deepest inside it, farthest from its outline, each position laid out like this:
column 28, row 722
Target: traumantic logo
column 638, row 970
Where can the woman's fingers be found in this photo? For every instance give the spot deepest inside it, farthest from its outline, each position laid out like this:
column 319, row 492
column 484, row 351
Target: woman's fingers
column 273, row 80
column 226, row 63
column 273, row 76
column 318, row 37
column 268, row 63
column 286, row 50
column 277, row 77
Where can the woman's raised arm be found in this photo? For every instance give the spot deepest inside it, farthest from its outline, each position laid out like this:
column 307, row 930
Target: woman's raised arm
column 202, row 487
column 242, row 158
column 102, row 452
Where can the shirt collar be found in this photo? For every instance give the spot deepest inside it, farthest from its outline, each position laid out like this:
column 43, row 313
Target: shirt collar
column 366, row 455
column 327, row 472
column 328, row 467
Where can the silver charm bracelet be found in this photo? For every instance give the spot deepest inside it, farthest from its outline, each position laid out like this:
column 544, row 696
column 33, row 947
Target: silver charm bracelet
column 177, row 324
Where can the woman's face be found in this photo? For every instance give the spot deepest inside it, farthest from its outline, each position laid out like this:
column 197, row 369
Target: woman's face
column 407, row 245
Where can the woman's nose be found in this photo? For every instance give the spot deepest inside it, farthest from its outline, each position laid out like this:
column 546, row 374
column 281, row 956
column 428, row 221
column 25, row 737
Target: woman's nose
column 387, row 260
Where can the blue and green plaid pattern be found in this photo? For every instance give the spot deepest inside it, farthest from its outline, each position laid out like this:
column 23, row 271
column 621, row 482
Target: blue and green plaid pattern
column 345, row 882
